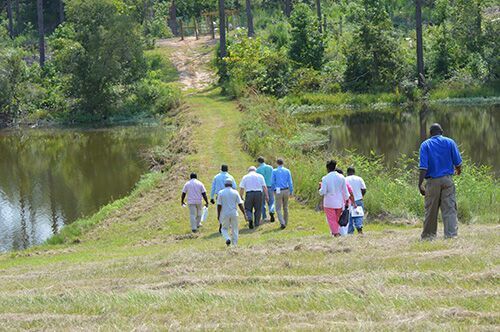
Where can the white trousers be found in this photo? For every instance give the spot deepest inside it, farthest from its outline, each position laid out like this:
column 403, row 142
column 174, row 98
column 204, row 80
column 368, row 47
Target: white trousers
column 230, row 222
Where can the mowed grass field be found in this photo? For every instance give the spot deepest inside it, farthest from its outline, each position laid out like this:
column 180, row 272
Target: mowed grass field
column 140, row 268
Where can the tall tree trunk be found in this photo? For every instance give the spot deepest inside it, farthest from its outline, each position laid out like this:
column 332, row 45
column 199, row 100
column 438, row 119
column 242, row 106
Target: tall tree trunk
column 288, row 8
column 420, row 47
column 10, row 26
column 222, row 29
column 318, row 11
column 61, row 11
column 172, row 19
column 41, row 32
column 17, row 11
column 251, row 31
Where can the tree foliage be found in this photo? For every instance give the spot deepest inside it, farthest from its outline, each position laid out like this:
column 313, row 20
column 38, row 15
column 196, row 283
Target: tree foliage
column 306, row 46
column 99, row 51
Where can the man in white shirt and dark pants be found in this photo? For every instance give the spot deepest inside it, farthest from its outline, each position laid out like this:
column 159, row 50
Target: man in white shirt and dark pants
column 228, row 201
column 359, row 190
column 335, row 195
column 253, row 185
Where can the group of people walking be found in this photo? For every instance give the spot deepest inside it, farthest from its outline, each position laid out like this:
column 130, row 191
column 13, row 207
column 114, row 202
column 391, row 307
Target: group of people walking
column 267, row 190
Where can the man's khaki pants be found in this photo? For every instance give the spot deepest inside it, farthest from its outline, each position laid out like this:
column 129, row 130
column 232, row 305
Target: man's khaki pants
column 195, row 211
column 281, row 206
column 440, row 193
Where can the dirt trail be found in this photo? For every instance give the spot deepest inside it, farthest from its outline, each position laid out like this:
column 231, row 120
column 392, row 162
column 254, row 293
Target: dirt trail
column 192, row 57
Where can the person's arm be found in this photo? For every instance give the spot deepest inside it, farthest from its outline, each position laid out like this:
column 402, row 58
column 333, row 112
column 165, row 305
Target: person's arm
column 212, row 191
column 242, row 187
column 423, row 165
column 234, row 184
column 183, row 196
column 273, row 181
column 323, row 190
column 421, row 177
column 266, row 192
column 290, row 182
column 219, row 209
column 205, row 198
column 242, row 209
column 363, row 188
column 457, row 159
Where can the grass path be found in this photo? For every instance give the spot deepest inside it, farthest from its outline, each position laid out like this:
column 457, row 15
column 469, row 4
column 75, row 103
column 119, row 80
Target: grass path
column 141, row 269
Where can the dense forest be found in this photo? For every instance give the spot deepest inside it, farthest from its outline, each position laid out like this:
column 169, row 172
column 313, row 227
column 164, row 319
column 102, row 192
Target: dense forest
column 87, row 60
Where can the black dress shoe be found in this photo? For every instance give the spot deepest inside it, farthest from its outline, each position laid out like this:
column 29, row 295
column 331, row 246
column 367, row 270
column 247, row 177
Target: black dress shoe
column 228, row 243
column 272, row 216
column 250, row 224
column 220, row 229
column 283, row 226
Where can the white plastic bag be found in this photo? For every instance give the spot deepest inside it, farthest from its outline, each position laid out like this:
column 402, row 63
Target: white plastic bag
column 204, row 215
column 357, row 212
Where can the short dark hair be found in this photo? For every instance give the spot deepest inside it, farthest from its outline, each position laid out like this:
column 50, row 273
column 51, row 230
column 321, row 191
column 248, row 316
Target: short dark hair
column 331, row 165
column 280, row 161
column 351, row 170
column 338, row 170
column 224, row 168
column 261, row 159
column 436, row 129
column 193, row 176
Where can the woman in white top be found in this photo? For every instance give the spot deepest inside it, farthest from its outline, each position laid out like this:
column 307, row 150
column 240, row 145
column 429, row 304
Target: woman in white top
column 335, row 194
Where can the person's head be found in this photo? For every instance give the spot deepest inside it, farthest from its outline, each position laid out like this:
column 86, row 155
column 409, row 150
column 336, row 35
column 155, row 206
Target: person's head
column 261, row 160
column 252, row 169
column 224, row 168
column 228, row 183
column 280, row 162
column 331, row 165
column 193, row 176
column 351, row 171
column 436, row 129
column 338, row 170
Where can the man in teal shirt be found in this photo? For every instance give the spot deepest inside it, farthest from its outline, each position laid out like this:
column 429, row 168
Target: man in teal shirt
column 267, row 172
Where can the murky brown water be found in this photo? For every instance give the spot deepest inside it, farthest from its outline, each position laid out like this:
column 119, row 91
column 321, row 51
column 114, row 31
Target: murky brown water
column 49, row 178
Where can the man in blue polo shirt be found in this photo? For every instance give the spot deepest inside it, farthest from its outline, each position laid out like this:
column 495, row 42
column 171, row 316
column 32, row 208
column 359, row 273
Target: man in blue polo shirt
column 439, row 160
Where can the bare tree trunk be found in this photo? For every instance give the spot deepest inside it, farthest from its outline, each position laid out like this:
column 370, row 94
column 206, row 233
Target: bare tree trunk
column 251, row 31
column 420, row 47
column 41, row 32
column 212, row 26
column 10, row 26
column 18, row 17
column 318, row 11
column 288, row 8
column 222, row 29
column 172, row 19
column 61, row 11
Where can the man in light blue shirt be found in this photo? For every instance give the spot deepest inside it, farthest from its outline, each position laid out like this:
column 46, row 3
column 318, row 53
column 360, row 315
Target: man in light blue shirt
column 218, row 184
column 267, row 172
column 439, row 160
column 282, row 186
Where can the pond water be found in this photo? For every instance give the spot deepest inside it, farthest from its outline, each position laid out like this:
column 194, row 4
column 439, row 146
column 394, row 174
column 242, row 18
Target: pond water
column 476, row 129
column 51, row 177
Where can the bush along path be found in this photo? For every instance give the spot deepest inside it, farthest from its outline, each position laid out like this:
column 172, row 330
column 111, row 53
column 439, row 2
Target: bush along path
column 139, row 267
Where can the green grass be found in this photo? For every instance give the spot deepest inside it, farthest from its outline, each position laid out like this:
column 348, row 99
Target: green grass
column 138, row 267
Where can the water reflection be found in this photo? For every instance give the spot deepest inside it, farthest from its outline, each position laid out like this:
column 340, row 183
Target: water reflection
column 476, row 130
column 52, row 177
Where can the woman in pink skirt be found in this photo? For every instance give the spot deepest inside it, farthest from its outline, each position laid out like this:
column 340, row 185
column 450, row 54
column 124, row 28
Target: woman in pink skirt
column 335, row 194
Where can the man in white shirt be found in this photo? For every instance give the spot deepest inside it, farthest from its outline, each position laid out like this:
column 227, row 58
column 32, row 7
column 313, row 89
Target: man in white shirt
column 253, row 185
column 359, row 190
column 335, row 195
column 228, row 201
column 195, row 191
